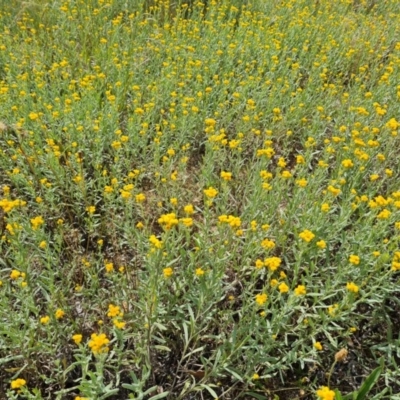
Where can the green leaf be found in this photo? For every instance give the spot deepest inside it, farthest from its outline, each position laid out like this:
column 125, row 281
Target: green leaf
column 132, row 388
column 210, row 390
column 159, row 396
column 349, row 396
column 369, row 383
column 109, row 394
column 161, row 347
column 338, row 395
column 148, row 391
column 234, row 373
column 186, row 334
column 255, row 396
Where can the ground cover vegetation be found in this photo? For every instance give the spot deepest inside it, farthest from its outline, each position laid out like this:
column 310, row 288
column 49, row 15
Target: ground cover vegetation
column 199, row 199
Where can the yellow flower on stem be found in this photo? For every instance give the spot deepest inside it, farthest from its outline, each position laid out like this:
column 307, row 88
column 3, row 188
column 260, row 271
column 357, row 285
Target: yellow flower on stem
column 98, row 343
column 18, row 383
column 324, row 393
column 306, row 235
column 210, row 192
column 168, row 272
column 261, row 298
column 77, row 338
column 352, row 287
column 300, row 290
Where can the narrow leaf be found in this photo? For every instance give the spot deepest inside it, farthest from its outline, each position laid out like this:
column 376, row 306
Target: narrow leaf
column 159, row 396
column 369, row 383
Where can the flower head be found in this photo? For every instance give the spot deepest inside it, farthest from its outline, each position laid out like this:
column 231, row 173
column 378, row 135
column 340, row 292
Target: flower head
column 77, row 338
column 98, row 343
column 352, row 287
column 306, row 235
column 200, row 271
column 318, row 346
column 168, row 272
column 300, row 290
column 324, row 393
column 272, row 263
column 59, row 313
column 354, row 259
column 283, row 288
column 210, row 192
column 261, row 298
column 18, row 383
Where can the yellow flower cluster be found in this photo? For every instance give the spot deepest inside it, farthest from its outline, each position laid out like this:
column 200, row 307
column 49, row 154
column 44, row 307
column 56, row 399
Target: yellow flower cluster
column 167, row 221
column 231, row 220
column 324, row 393
column 98, row 343
column 8, row 205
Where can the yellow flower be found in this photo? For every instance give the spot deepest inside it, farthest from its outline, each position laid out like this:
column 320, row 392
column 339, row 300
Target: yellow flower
column 91, row 209
column 77, row 338
column 300, row 290
column 318, row 346
column 302, row 182
column 307, row 235
column 355, row 260
column 267, row 244
column 324, row 393
column 113, row 311
column 281, row 162
column 155, row 242
column 167, row 221
column 188, row 209
column 43, row 244
column 36, row 222
column 384, row 214
column 45, row 320
column 332, row 309
column 33, row 116
column 325, row 207
column 347, row 163
column 259, row 264
column 15, row 274
column 210, row 122
column 283, row 288
column 273, row 282
column 321, row 244
column 119, row 324
column 98, row 343
column 373, row 177
column 226, row 176
column 300, row 159
column 255, row 377
column 59, row 313
column 109, row 267
column 140, row 198
column 200, row 272
column 333, row 190
column 18, row 383
column 261, row 298
column 272, row 263
column 210, row 192
column 352, row 287
column 168, row 272
column 188, row 222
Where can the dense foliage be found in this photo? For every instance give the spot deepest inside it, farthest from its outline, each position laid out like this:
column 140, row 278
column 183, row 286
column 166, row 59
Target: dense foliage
column 199, row 200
